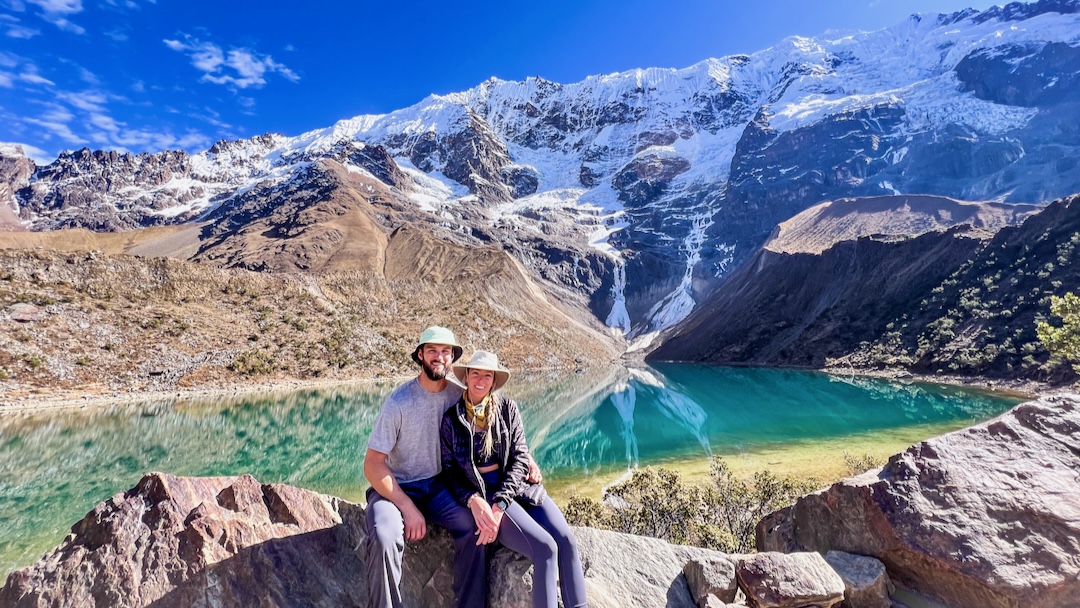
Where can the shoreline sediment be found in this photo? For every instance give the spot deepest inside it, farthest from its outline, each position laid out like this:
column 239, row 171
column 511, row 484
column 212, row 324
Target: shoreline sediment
column 37, row 399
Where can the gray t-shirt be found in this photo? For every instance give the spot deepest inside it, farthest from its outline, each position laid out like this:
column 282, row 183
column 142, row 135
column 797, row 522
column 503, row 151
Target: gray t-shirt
column 407, row 430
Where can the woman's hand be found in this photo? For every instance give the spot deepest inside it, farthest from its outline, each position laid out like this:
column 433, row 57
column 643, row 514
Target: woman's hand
column 487, row 524
column 535, row 476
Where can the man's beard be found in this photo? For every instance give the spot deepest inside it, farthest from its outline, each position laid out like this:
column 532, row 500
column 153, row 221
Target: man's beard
column 432, row 374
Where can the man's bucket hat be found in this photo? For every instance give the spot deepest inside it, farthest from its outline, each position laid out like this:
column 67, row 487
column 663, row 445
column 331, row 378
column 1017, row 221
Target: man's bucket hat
column 484, row 360
column 436, row 335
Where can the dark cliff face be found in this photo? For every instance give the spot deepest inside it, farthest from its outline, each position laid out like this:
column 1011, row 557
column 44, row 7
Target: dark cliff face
column 776, row 175
column 803, row 309
column 938, row 303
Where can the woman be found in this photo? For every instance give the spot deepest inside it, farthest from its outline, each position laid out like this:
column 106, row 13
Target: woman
column 485, row 464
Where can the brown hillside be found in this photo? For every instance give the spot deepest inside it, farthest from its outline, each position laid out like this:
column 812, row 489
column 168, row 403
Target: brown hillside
column 323, row 222
column 118, row 323
column 846, row 219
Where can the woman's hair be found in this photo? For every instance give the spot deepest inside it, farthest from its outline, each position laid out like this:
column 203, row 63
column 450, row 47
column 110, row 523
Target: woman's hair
column 494, row 420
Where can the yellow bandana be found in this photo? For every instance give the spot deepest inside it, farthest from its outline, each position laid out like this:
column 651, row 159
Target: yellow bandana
column 478, row 413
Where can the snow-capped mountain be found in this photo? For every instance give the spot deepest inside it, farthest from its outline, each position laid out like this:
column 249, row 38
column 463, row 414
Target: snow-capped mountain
column 640, row 190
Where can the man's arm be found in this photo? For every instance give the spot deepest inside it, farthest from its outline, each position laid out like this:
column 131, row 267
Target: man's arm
column 379, row 476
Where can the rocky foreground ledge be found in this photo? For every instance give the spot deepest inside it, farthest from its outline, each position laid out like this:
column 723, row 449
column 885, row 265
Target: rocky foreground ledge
column 985, row 517
column 233, row 542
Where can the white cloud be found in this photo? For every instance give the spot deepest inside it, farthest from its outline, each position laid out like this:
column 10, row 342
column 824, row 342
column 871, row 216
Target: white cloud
column 194, row 141
column 101, row 129
column 20, row 32
column 126, row 4
column 13, row 28
column 240, row 68
column 213, row 118
column 87, row 101
column 88, row 77
column 63, row 7
column 18, row 68
column 68, row 26
column 55, row 11
column 59, row 129
column 102, row 121
column 55, row 112
column 31, row 76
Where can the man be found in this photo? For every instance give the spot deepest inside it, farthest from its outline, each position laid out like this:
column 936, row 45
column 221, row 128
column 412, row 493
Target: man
column 401, row 464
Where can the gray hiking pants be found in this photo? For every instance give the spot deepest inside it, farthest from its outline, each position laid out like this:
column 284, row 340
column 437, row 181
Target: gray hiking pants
column 385, row 545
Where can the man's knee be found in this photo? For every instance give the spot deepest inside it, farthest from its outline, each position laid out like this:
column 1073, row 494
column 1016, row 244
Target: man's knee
column 384, row 525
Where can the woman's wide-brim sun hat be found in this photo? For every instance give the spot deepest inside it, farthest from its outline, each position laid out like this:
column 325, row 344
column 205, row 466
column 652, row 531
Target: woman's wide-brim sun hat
column 487, row 361
column 436, row 335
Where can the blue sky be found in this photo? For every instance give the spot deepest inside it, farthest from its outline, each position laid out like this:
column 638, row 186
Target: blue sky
column 148, row 75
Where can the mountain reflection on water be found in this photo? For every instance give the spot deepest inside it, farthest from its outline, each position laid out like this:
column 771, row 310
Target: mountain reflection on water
column 644, row 415
column 56, row 465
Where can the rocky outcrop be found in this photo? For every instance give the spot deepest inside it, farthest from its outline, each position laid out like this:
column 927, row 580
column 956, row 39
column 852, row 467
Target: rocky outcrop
column 711, row 580
column 986, row 517
column 822, row 226
column 803, row 309
column 220, row 541
column 797, row 580
column 372, row 158
column 234, row 542
column 866, row 582
column 15, row 172
column 80, row 189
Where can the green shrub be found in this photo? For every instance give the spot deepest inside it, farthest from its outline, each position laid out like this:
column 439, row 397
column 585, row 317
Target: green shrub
column 253, row 363
column 861, row 464
column 1063, row 341
column 721, row 515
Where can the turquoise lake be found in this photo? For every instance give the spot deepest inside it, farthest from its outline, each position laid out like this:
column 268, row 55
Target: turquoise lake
column 586, row 430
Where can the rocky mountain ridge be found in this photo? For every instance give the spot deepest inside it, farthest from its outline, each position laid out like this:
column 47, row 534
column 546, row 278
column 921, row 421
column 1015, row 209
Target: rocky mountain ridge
column 639, row 191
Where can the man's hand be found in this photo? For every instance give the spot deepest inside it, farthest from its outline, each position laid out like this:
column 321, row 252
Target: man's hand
column 379, row 476
column 535, row 476
column 415, row 524
column 487, row 526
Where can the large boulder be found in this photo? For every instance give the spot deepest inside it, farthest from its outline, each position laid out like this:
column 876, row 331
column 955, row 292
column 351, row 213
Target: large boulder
column 200, row 542
column 234, row 542
column 985, row 517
